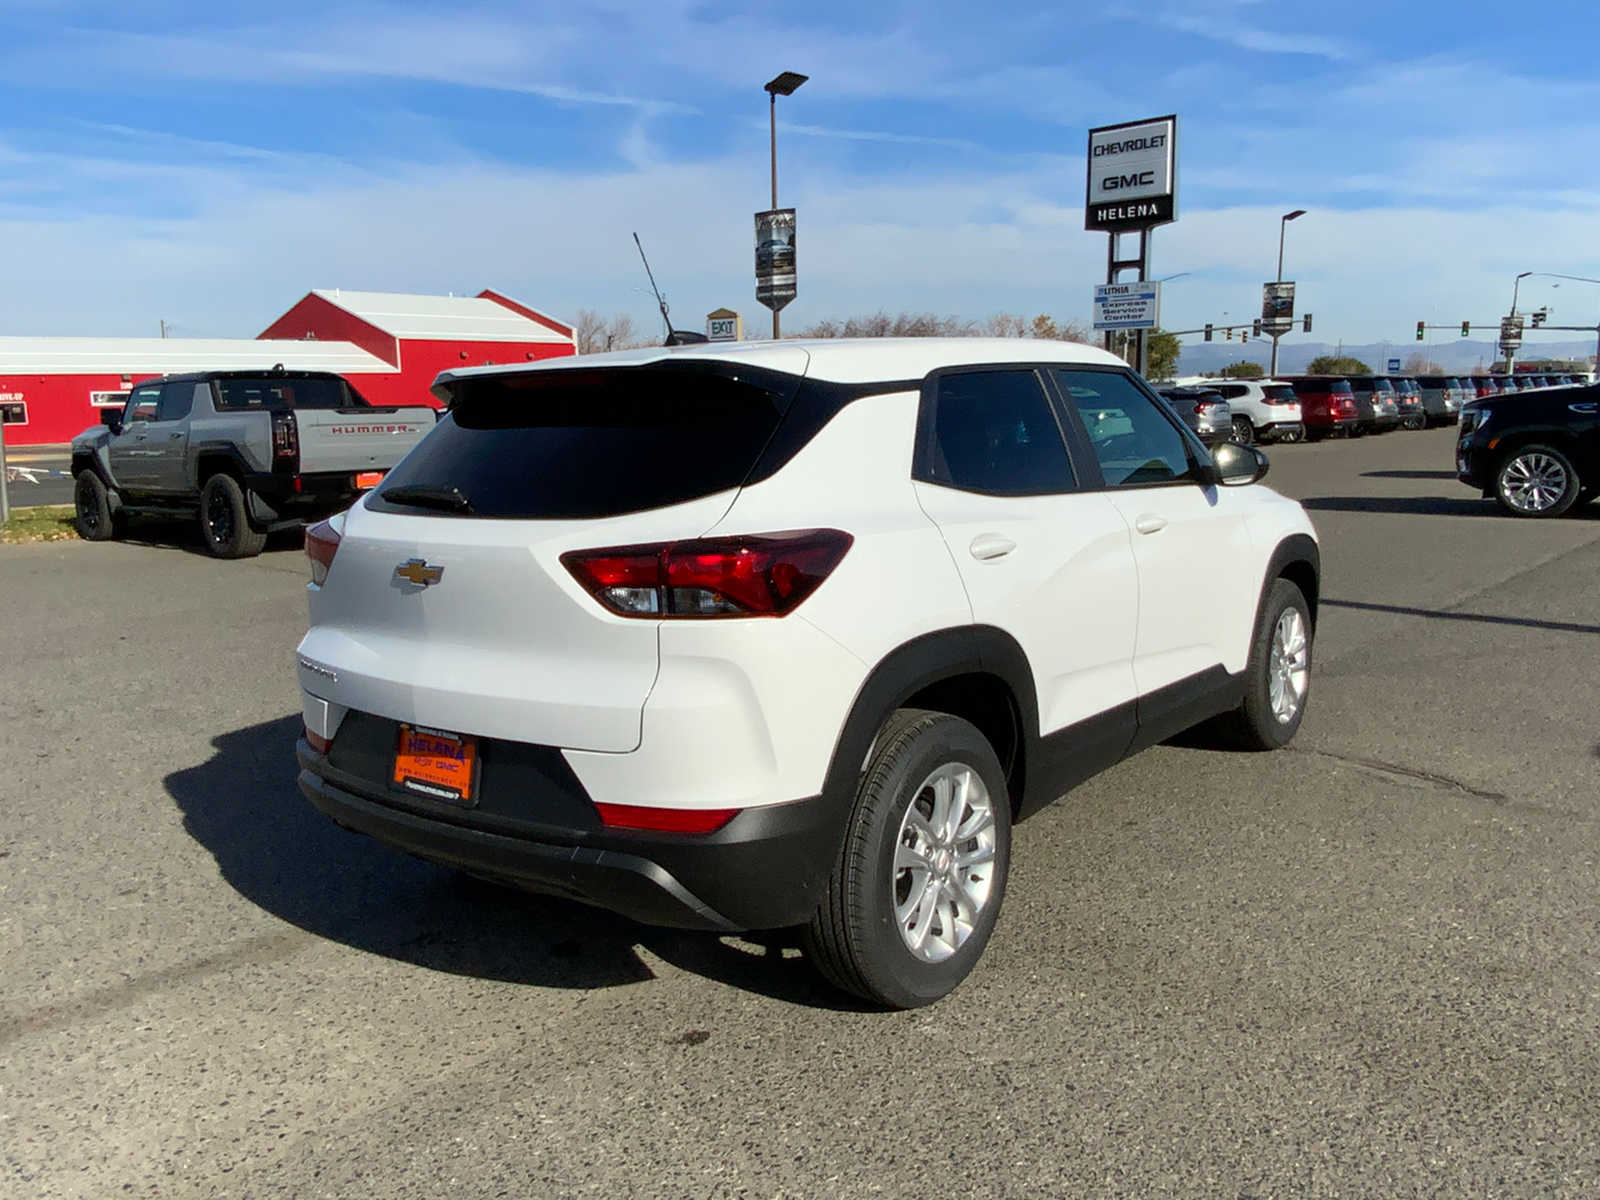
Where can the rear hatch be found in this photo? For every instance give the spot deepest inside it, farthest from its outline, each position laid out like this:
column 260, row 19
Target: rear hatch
column 506, row 643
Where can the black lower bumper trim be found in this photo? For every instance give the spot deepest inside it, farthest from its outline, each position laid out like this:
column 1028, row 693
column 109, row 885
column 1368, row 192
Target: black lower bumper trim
column 764, row 870
column 623, row 883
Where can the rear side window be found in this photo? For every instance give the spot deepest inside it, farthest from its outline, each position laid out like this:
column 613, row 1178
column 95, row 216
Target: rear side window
column 1233, row 391
column 995, row 432
column 580, row 443
column 273, row 393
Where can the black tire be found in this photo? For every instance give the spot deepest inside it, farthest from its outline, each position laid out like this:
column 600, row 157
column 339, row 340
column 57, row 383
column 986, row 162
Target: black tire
column 93, row 519
column 1535, row 481
column 225, row 520
column 1243, row 431
column 1255, row 724
column 854, row 938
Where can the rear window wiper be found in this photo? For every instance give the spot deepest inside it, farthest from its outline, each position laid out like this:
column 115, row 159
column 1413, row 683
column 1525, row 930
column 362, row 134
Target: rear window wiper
column 446, row 496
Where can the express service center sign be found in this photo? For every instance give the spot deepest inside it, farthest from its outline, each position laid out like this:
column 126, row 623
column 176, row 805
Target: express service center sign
column 1132, row 175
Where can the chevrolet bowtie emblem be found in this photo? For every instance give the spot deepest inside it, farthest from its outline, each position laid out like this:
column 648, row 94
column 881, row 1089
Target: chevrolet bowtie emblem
column 417, row 571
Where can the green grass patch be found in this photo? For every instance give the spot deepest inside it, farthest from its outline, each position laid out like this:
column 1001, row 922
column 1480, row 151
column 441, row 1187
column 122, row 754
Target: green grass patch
column 41, row 523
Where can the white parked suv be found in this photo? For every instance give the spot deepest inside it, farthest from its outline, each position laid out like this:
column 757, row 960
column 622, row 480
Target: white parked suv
column 1264, row 410
column 771, row 635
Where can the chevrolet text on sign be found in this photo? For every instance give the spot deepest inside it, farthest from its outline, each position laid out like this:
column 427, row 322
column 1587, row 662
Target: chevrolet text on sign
column 1132, row 174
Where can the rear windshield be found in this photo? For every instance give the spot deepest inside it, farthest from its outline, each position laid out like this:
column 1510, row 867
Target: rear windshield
column 1278, row 393
column 277, row 393
column 1382, row 385
column 1315, row 387
column 579, row 443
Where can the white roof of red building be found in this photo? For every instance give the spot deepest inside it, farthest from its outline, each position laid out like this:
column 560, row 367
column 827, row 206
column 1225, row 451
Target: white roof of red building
column 444, row 318
column 166, row 356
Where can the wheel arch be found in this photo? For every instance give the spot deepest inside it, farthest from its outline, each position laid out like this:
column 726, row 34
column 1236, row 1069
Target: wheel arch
column 978, row 673
column 1298, row 560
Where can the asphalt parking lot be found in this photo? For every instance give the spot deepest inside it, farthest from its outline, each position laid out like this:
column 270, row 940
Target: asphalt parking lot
column 1363, row 966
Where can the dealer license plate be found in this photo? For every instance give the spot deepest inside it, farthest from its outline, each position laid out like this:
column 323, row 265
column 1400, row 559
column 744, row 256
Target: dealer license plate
column 433, row 763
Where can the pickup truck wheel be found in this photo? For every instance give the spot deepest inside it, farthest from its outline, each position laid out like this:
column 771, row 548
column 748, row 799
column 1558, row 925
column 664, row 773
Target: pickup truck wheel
column 93, row 517
column 917, row 888
column 225, row 520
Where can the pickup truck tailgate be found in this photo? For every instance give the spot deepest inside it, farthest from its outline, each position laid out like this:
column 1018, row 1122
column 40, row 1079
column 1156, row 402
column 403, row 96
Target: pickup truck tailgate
column 359, row 439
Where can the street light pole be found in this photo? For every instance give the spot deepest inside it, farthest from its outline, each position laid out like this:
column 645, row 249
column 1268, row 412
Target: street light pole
column 1575, row 279
column 782, row 85
column 1283, row 226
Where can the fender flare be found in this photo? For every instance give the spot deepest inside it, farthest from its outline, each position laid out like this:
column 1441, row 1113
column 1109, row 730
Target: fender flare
column 1297, row 548
column 915, row 665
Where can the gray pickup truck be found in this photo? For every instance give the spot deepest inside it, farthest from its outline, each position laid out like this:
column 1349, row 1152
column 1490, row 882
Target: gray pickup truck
column 249, row 451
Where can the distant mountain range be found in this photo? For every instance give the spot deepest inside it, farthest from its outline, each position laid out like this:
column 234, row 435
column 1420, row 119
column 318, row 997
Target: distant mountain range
column 1293, row 357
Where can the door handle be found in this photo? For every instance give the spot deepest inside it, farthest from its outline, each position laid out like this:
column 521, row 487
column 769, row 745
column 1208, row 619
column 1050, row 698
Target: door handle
column 1150, row 523
column 172, row 437
column 991, row 545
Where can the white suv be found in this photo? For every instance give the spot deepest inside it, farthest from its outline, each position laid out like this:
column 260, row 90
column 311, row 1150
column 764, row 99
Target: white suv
column 776, row 635
column 1264, row 410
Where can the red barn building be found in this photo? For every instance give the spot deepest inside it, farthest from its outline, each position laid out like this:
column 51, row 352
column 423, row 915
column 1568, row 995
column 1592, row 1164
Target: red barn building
column 389, row 347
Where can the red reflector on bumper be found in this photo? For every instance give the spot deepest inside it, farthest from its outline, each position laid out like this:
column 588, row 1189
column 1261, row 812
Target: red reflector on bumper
column 665, row 820
column 317, row 742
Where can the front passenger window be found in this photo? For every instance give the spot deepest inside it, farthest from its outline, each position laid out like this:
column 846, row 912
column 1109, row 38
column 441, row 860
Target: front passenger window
column 1135, row 442
column 142, row 405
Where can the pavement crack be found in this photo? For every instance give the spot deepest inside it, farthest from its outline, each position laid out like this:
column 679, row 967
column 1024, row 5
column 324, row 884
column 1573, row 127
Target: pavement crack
column 1416, row 773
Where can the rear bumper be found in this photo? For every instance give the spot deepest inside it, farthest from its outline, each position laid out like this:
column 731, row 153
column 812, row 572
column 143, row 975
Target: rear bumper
column 316, row 496
column 764, row 870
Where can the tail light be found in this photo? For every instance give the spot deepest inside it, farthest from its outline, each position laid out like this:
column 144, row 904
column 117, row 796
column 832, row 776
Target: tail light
column 1201, row 404
column 761, row 575
column 322, row 543
column 285, row 437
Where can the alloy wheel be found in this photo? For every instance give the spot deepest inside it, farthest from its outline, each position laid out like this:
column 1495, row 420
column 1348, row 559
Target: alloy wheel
column 1289, row 669
column 1533, row 482
column 944, row 862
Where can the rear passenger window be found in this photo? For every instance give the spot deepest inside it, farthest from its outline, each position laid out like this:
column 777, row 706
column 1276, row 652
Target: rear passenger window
column 1132, row 438
column 995, row 432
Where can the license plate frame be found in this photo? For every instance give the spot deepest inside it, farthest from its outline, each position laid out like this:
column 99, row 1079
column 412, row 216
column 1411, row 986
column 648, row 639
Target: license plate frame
column 437, row 764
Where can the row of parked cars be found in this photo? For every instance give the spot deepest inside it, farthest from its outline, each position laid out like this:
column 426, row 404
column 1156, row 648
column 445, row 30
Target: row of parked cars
column 1293, row 408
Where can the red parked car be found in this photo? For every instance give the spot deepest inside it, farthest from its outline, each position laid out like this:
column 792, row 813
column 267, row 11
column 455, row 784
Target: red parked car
column 1327, row 405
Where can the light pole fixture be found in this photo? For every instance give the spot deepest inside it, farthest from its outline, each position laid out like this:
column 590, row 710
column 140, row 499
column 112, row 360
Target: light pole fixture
column 1283, row 227
column 783, row 84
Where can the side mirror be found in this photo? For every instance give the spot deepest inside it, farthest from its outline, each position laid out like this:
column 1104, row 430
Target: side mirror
column 111, row 418
column 1237, row 464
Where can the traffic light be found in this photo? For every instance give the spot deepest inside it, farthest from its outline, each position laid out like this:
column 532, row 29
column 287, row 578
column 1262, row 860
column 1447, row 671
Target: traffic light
column 1421, row 330
column 1255, row 329
column 1208, row 333
column 1539, row 314
column 1307, row 327
column 1466, row 329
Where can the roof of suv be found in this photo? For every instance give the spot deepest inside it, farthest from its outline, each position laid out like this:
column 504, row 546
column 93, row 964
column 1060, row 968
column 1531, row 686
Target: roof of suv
column 838, row 360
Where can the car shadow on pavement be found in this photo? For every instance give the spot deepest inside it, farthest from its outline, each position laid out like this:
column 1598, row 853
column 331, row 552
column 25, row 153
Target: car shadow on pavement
column 1409, row 475
column 183, row 533
column 1428, row 506
column 276, row 850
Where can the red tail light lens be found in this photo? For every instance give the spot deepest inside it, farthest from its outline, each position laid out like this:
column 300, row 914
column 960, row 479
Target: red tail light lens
column 285, row 437
column 665, row 820
column 761, row 575
column 322, row 543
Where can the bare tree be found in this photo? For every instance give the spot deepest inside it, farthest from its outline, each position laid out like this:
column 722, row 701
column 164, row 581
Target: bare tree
column 881, row 324
column 1421, row 364
column 595, row 334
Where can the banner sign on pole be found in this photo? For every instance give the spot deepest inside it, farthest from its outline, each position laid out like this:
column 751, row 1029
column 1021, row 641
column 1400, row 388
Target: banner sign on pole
column 775, row 266
column 1127, row 305
column 1133, row 182
column 1510, row 332
column 1277, row 307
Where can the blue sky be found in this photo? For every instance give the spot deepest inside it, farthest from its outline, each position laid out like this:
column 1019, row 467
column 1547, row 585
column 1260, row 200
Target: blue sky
column 208, row 164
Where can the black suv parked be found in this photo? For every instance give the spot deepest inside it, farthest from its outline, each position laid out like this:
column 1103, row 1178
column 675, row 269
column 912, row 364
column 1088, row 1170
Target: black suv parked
column 1537, row 454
